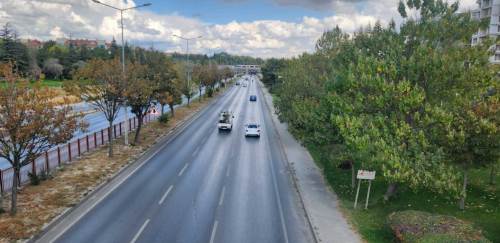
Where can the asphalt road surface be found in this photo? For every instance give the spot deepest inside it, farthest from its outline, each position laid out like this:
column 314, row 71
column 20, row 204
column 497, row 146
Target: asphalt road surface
column 205, row 186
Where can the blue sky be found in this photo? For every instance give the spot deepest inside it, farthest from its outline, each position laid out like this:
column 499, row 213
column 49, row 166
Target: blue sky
column 261, row 28
column 220, row 12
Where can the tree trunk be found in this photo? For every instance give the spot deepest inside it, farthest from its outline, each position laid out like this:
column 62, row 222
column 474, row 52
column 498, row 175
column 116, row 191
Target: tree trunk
column 110, row 139
column 139, row 126
column 353, row 175
column 189, row 99
column 162, row 108
column 200, row 94
column 391, row 190
column 13, row 203
column 461, row 203
column 493, row 174
column 1, row 202
column 171, row 109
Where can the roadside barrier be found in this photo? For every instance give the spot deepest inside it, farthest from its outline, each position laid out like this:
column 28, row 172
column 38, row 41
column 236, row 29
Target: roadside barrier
column 67, row 153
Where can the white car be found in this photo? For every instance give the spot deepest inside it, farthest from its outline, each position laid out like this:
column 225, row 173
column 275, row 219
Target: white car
column 252, row 130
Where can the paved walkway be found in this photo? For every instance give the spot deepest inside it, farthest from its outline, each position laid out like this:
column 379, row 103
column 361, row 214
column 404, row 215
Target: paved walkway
column 320, row 202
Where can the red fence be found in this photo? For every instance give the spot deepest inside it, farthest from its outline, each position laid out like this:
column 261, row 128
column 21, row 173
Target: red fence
column 66, row 153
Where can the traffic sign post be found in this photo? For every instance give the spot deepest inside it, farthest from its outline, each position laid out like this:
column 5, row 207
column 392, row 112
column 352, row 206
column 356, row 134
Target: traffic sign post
column 364, row 175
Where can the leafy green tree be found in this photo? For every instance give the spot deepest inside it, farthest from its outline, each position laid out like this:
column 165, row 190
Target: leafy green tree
column 12, row 51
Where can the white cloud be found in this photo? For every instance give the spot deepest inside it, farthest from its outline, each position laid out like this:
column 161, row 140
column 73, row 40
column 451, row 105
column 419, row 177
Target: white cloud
column 49, row 19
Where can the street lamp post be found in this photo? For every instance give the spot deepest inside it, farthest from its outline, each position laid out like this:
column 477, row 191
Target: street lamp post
column 187, row 58
column 123, row 55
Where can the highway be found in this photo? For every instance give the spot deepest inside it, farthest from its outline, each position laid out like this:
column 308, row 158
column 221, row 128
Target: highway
column 203, row 186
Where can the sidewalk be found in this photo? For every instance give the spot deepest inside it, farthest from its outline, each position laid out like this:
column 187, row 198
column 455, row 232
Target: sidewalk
column 320, row 202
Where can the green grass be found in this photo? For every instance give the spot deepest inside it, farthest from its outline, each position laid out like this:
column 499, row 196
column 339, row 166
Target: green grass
column 482, row 209
column 47, row 82
column 52, row 83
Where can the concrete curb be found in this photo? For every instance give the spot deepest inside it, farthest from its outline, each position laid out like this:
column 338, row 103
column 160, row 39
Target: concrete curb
column 142, row 158
column 292, row 172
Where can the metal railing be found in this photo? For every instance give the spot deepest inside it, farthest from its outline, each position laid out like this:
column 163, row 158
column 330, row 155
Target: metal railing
column 67, row 153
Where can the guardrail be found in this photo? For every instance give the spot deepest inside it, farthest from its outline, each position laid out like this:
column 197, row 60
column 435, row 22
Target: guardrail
column 67, row 153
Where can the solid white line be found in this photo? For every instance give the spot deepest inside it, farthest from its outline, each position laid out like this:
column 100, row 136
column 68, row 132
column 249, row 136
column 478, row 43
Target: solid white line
column 214, row 231
column 227, row 171
column 183, row 169
column 165, row 195
column 140, row 231
column 221, row 200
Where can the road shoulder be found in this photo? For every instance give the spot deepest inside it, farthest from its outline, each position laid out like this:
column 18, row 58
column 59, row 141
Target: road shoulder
column 321, row 203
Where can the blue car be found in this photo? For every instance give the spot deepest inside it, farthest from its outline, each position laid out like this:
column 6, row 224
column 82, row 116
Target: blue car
column 253, row 97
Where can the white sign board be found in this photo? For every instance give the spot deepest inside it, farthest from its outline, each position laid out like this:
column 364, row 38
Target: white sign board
column 366, row 175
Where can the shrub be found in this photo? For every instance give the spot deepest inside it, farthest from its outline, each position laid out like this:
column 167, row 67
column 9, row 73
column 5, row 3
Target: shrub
column 164, row 118
column 420, row 227
column 210, row 92
column 34, row 179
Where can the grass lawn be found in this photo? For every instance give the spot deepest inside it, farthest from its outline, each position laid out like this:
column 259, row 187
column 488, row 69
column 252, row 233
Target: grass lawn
column 52, row 83
column 47, row 82
column 482, row 209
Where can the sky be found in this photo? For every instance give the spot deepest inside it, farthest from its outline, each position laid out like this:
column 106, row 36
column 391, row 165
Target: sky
column 259, row 28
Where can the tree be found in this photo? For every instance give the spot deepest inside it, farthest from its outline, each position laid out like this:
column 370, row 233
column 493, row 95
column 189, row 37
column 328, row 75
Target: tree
column 30, row 122
column 12, row 51
column 141, row 92
column 199, row 75
column 52, row 68
column 101, row 83
column 185, row 86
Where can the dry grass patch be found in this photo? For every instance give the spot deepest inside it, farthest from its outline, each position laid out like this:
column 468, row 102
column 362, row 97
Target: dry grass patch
column 38, row 205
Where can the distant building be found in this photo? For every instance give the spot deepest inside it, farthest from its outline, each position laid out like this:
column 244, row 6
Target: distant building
column 490, row 10
column 91, row 44
column 32, row 43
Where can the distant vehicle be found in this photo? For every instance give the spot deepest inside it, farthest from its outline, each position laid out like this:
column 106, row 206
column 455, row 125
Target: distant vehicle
column 225, row 121
column 252, row 130
column 237, row 82
column 245, row 84
column 253, row 97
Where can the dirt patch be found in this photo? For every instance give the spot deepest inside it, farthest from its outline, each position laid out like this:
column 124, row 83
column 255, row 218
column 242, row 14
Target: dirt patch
column 69, row 184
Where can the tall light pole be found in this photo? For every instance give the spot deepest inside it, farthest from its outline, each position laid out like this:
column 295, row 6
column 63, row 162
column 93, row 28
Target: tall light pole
column 123, row 54
column 187, row 57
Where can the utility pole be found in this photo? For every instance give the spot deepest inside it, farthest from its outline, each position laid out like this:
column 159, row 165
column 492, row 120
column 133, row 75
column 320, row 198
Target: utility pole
column 188, row 75
column 123, row 56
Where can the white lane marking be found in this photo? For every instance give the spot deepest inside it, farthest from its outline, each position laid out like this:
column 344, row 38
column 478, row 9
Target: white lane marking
column 122, row 180
column 165, row 195
column 214, row 231
column 140, row 231
column 105, row 195
column 183, row 169
column 275, row 185
column 227, row 172
column 221, row 200
column 196, row 151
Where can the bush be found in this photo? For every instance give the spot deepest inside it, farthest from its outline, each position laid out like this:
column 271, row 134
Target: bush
column 164, row 118
column 420, row 227
column 210, row 92
column 34, row 179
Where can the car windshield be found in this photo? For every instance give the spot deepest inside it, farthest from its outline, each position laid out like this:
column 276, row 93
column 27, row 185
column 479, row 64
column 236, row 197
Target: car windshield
column 252, row 126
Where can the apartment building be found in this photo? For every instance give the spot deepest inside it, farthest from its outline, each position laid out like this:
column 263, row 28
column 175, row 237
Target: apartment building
column 490, row 10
